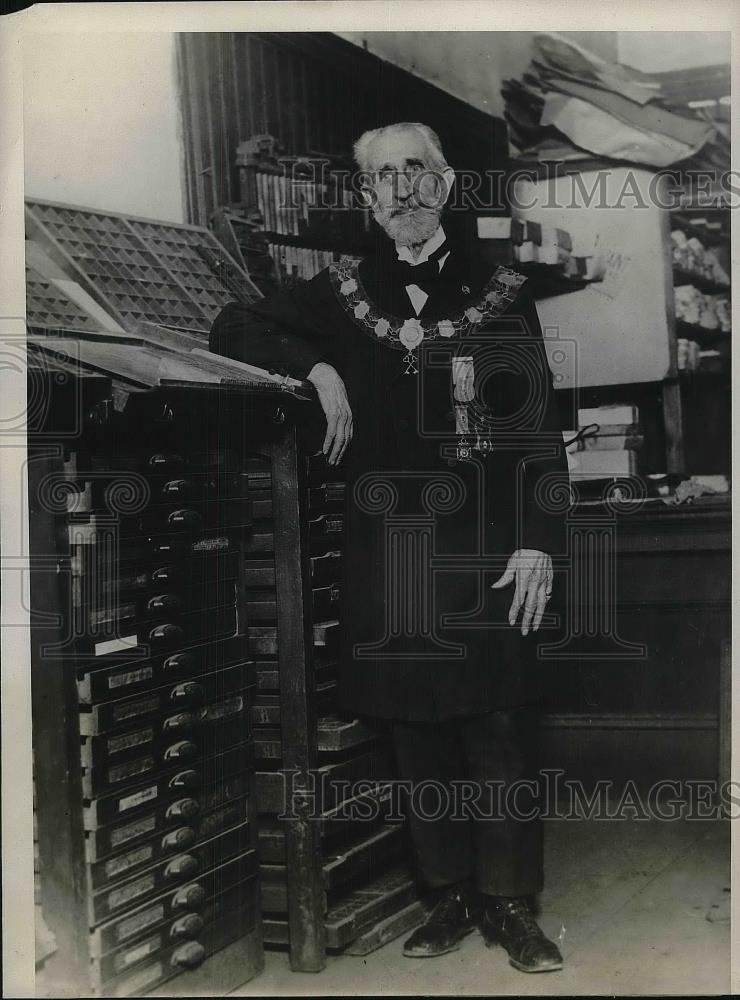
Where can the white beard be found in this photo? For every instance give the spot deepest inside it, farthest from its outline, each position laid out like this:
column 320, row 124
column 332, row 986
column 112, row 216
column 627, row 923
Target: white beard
column 409, row 228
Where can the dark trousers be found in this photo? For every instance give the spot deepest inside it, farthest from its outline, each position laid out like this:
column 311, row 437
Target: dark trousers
column 482, row 759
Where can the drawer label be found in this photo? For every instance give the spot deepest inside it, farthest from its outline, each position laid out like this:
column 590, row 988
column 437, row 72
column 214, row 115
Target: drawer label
column 222, row 710
column 118, row 743
column 124, row 771
column 116, row 645
column 132, row 830
column 210, row 544
column 130, row 677
column 141, row 707
column 220, row 820
column 132, row 925
column 222, row 793
column 115, row 613
column 118, row 897
column 136, row 984
column 130, row 801
column 123, row 961
column 117, row 865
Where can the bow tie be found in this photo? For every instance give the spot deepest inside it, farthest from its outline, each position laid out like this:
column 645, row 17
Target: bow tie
column 423, row 274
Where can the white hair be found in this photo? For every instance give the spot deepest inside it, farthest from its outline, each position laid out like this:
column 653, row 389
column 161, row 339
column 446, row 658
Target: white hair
column 434, row 146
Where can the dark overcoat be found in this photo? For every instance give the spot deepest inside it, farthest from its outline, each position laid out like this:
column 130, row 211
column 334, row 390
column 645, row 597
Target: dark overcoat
column 443, row 482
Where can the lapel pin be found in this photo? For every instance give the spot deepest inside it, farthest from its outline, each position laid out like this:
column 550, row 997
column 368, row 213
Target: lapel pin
column 466, row 289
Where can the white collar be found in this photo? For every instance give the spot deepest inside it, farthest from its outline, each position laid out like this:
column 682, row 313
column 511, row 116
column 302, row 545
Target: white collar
column 432, row 244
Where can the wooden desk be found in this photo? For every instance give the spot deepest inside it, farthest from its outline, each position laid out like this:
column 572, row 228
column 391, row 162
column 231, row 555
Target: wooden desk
column 653, row 714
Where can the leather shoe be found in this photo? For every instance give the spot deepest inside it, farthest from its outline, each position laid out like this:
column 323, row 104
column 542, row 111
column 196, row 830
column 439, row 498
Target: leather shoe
column 456, row 913
column 509, row 922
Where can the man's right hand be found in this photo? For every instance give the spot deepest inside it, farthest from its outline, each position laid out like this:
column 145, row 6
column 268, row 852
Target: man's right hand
column 333, row 399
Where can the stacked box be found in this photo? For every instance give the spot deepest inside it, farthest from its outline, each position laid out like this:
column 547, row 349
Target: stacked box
column 606, row 444
column 359, row 847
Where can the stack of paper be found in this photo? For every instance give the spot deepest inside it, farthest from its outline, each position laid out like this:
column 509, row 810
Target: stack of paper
column 571, row 105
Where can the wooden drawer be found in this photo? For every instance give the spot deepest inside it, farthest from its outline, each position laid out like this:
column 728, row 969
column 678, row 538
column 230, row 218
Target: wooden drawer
column 166, row 634
column 176, row 870
column 184, row 578
column 263, row 639
column 188, row 517
column 188, row 899
column 167, row 786
column 173, row 960
column 322, row 530
column 178, row 840
column 137, row 675
column 326, row 569
column 201, row 808
column 154, row 549
column 359, row 910
column 261, row 605
column 225, row 722
column 135, row 609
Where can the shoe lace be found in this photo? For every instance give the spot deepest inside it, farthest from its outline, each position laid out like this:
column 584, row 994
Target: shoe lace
column 449, row 907
column 517, row 911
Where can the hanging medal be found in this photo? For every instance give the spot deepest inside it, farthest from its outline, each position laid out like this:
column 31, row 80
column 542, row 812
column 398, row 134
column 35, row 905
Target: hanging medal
column 411, row 335
column 463, row 389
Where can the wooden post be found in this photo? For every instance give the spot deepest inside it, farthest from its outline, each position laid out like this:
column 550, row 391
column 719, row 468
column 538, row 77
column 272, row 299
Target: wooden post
column 673, row 421
column 57, row 769
column 724, row 716
column 297, row 709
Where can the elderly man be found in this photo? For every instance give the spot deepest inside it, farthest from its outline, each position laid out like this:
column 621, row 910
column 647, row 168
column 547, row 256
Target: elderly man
column 430, row 368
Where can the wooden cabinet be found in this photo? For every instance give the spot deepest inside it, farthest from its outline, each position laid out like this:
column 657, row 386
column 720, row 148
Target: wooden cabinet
column 192, row 769
column 142, row 687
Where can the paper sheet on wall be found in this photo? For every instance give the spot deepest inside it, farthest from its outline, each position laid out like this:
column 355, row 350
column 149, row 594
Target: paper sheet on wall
column 617, row 263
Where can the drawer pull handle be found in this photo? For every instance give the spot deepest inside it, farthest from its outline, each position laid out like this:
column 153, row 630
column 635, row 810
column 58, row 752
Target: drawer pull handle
column 181, row 866
column 184, row 750
column 177, row 487
column 179, row 661
column 190, row 692
column 166, row 574
column 187, row 956
column 188, row 926
column 185, row 779
column 182, row 809
column 181, row 838
column 165, row 602
column 190, row 897
column 183, row 720
column 166, row 634
column 167, row 547
column 184, row 518
column 156, row 461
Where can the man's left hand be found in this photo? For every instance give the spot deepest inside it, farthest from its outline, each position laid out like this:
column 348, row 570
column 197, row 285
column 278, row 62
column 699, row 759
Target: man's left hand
column 532, row 571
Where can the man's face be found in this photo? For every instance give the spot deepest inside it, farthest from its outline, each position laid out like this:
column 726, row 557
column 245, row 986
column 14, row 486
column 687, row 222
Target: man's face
column 407, row 193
